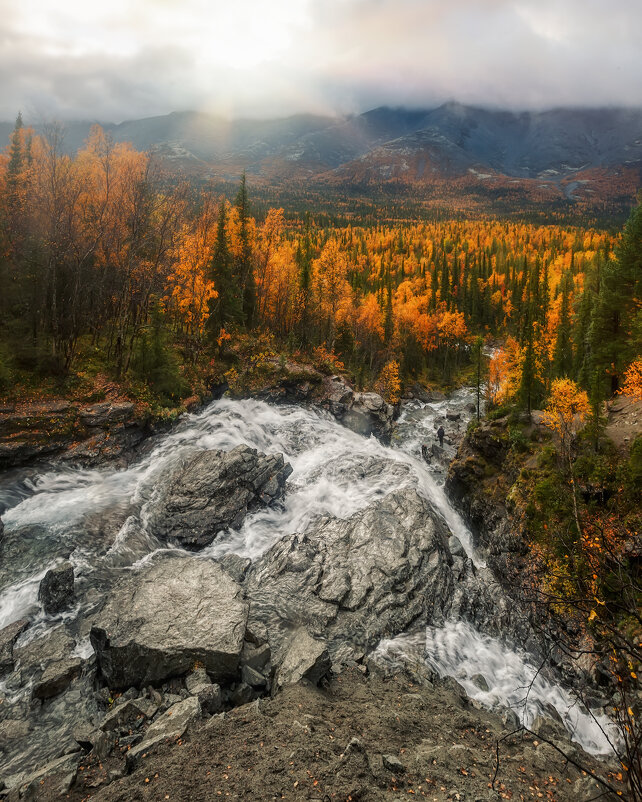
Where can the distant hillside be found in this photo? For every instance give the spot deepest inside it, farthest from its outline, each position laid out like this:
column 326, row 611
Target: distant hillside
column 588, row 155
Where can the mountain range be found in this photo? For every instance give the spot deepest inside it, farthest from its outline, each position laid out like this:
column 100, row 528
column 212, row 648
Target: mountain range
column 590, row 156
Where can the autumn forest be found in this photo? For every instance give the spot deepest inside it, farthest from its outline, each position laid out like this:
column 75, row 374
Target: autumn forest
column 106, row 262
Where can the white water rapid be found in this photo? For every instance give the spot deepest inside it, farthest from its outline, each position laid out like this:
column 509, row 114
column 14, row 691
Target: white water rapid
column 97, row 519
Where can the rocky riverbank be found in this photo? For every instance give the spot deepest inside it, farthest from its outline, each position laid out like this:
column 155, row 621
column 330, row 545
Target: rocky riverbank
column 91, row 434
column 361, row 735
column 297, row 562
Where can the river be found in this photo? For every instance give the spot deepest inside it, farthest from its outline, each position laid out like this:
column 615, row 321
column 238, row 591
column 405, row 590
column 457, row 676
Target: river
column 97, row 520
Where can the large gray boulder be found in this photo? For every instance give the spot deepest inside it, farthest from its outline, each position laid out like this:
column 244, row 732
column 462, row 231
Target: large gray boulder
column 214, row 491
column 56, row 591
column 357, row 580
column 159, row 622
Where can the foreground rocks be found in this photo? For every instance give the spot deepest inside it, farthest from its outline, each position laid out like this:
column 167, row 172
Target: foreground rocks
column 366, row 737
column 158, row 623
column 214, row 491
column 8, row 636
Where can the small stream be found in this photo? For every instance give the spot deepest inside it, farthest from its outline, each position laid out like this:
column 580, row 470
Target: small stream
column 97, row 520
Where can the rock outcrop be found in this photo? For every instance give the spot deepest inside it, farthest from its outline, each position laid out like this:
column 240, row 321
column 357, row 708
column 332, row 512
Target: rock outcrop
column 364, row 413
column 214, row 491
column 87, row 434
column 478, row 483
column 355, row 581
column 159, row 622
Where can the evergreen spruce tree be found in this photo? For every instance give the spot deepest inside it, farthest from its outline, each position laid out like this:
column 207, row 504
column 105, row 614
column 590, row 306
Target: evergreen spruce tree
column 563, row 353
column 227, row 307
column 583, row 363
column 617, row 317
column 244, row 267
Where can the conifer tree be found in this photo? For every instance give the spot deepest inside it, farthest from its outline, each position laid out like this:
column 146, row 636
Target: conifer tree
column 563, row 354
column 244, row 267
column 227, row 307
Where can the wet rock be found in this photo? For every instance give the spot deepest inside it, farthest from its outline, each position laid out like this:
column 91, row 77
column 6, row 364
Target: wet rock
column 420, row 393
column 12, row 730
column 235, row 566
column 305, row 658
column 364, row 413
column 453, row 416
column 480, row 681
column 56, row 677
column 54, row 647
column 8, row 636
column 356, row 580
column 456, row 549
column 63, row 769
column 214, row 491
column 159, row 622
column 56, row 590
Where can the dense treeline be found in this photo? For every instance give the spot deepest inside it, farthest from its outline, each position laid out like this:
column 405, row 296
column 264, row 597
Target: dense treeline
column 99, row 251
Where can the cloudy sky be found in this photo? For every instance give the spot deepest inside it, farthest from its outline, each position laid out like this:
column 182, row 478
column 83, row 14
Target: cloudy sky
column 118, row 59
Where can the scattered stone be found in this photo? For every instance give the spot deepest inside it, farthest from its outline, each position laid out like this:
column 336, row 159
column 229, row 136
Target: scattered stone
column 172, row 724
column 252, row 677
column 56, row 590
column 393, row 764
column 213, row 491
column 196, row 679
column 241, row 695
column 56, row 677
column 102, row 744
column 129, row 712
column 8, row 636
column 210, row 698
column 305, row 658
column 256, row 657
column 174, row 613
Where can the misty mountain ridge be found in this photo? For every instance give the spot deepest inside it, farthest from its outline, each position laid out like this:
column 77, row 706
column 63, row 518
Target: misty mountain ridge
column 392, row 144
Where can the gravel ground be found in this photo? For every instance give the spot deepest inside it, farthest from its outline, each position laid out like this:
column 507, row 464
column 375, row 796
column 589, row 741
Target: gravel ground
column 358, row 738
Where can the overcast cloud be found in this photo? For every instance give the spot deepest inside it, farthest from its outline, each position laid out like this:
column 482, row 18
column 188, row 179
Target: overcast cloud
column 135, row 58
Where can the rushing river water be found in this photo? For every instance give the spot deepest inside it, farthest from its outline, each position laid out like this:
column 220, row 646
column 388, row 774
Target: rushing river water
column 97, row 519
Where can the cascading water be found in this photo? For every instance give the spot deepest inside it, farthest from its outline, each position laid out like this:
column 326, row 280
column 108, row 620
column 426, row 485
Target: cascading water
column 97, row 519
